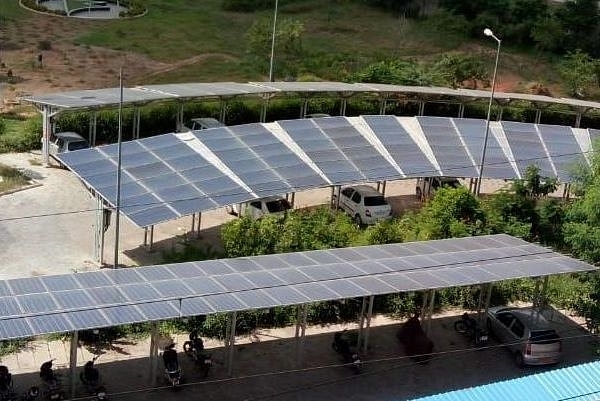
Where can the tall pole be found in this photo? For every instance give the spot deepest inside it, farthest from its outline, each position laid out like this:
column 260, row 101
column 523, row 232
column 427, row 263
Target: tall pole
column 119, row 142
column 273, row 42
column 488, row 32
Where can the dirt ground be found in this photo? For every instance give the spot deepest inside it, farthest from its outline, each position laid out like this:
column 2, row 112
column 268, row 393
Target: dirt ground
column 66, row 66
column 273, row 365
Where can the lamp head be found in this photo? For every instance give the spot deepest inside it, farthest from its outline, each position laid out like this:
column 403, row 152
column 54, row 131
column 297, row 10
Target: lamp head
column 488, row 32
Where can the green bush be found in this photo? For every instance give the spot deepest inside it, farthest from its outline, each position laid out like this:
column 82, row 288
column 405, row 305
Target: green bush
column 29, row 138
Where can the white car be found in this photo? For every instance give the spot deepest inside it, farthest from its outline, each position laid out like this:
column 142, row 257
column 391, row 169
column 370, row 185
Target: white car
column 273, row 205
column 61, row 142
column 205, row 123
column 364, row 204
column 427, row 186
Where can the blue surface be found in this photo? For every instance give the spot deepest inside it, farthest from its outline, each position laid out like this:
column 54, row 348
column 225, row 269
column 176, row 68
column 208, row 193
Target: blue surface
column 575, row 383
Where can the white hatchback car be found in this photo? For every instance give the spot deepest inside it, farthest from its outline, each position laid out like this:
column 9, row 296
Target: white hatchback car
column 273, row 205
column 364, row 204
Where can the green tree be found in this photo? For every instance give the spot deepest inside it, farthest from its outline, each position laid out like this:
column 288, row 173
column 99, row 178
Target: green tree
column 288, row 44
column 397, row 72
column 458, row 68
column 578, row 70
column 453, row 212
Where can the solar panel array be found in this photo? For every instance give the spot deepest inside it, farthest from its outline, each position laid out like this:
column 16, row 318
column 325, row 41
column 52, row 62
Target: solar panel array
column 108, row 97
column 170, row 176
column 49, row 304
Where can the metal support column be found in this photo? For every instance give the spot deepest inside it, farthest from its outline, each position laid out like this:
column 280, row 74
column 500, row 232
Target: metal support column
column 223, row 111
column 153, row 352
column 46, row 133
column 331, row 197
column 378, row 186
column 179, row 120
column 73, row 363
column 488, row 298
column 138, row 117
column 578, row 120
column 368, row 328
column 233, row 317
column 543, row 298
column 303, row 108
column 297, row 334
column 361, row 321
column 99, row 230
column 193, row 223
column 383, row 188
column 151, row 236
column 430, row 311
column 461, row 110
column 337, row 199
column 536, row 292
column 421, row 108
column 423, row 312
column 304, row 314
column 263, row 110
column 145, row 236
column 134, row 124
column 382, row 106
column 538, row 116
column 343, row 105
column 500, row 112
column 199, row 224
column 480, row 302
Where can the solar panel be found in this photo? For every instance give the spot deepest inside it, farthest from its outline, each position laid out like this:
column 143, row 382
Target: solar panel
column 563, row 148
column 400, row 145
column 497, row 164
column 122, row 296
column 357, row 149
column 527, row 147
column 322, row 151
column 447, row 147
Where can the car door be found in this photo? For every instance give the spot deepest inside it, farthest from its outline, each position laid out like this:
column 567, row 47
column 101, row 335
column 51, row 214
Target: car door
column 517, row 332
column 354, row 204
column 504, row 320
column 256, row 209
column 345, row 199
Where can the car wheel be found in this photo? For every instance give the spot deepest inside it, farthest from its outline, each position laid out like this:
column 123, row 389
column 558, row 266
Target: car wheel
column 519, row 360
column 419, row 194
column 358, row 220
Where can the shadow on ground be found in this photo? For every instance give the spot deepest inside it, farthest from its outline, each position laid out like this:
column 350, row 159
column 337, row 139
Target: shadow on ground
column 287, row 369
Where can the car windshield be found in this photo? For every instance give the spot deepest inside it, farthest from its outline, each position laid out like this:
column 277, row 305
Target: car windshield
column 542, row 336
column 375, row 201
column 78, row 145
column 280, row 205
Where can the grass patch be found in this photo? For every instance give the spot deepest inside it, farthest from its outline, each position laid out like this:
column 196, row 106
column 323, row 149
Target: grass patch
column 12, row 178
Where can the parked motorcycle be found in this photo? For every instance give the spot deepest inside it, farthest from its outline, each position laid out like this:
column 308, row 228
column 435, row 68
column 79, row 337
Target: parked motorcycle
column 341, row 345
column 468, row 327
column 90, row 377
column 172, row 369
column 32, row 394
column 51, row 381
column 194, row 348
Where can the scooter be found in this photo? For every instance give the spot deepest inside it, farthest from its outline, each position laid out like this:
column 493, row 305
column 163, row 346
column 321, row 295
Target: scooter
column 51, row 381
column 90, row 377
column 341, row 345
column 194, row 348
column 468, row 327
column 172, row 369
column 32, row 394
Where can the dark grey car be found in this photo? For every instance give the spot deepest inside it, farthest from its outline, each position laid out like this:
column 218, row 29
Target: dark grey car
column 527, row 334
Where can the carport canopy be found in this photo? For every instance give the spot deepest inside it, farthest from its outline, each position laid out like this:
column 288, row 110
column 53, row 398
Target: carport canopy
column 174, row 175
column 80, row 301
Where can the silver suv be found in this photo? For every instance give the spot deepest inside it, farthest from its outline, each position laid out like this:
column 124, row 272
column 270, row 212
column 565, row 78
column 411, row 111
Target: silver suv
column 427, row 186
column 272, row 205
column 526, row 333
column 61, row 142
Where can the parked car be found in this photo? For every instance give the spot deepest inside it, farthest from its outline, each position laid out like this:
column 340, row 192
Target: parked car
column 527, row 334
column 272, row 205
column 204, row 123
column 364, row 204
column 61, row 142
column 427, row 186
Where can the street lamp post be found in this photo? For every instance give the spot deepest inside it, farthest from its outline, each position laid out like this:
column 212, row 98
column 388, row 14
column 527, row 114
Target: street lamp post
column 273, row 42
column 488, row 32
